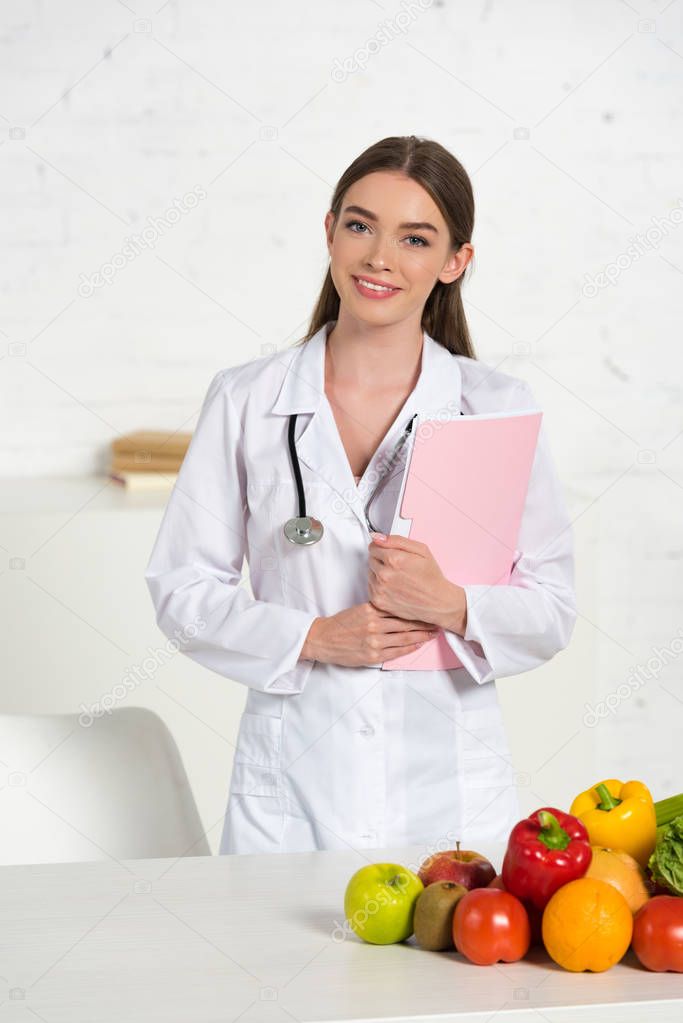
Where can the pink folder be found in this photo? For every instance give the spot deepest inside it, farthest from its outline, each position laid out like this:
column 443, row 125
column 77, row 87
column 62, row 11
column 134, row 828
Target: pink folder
column 463, row 495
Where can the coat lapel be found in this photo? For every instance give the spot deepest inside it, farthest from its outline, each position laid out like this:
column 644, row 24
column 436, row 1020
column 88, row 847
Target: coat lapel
column 318, row 443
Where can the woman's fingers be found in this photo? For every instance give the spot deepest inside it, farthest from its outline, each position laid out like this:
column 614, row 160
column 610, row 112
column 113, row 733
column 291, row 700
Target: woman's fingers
column 410, row 638
column 403, row 625
column 396, row 651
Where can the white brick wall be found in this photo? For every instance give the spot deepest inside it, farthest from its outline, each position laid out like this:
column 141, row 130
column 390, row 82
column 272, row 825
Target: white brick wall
column 568, row 118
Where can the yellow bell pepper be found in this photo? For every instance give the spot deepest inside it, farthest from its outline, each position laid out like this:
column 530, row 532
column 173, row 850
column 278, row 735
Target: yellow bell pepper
column 619, row 816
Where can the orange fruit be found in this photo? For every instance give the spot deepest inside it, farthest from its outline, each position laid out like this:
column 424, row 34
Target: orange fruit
column 620, row 869
column 587, row 925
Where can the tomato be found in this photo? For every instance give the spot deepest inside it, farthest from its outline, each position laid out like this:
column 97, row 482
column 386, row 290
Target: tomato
column 658, row 933
column 490, row 925
column 535, row 915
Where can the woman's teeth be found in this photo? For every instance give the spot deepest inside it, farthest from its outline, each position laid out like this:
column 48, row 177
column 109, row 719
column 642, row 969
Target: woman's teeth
column 373, row 287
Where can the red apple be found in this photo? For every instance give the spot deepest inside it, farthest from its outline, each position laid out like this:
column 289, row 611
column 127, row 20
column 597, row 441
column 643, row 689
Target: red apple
column 463, row 866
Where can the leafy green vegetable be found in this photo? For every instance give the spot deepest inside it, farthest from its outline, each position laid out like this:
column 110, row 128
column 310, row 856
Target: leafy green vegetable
column 666, row 861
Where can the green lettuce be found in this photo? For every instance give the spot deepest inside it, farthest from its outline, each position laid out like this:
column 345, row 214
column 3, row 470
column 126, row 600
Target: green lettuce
column 666, row 861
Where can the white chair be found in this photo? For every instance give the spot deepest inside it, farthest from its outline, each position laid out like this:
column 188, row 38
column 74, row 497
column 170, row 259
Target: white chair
column 115, row 788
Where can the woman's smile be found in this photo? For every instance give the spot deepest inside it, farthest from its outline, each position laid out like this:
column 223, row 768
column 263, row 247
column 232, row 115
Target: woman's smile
column 371, row 289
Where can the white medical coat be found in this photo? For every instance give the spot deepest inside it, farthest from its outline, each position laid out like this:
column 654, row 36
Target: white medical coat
column 332, row 757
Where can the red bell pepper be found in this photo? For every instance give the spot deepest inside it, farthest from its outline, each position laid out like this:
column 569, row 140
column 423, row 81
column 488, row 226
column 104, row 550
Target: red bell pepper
column 545, row 851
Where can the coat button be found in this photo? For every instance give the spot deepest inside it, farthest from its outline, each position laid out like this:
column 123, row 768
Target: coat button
column 367, row 730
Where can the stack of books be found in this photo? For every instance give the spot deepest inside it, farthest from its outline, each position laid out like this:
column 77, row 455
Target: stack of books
column 148, row 459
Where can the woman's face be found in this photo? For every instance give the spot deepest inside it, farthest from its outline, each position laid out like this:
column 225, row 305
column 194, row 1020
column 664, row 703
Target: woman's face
column 391, row 231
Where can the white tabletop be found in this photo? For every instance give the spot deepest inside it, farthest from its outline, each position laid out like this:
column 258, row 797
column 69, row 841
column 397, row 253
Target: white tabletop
column 252, row 938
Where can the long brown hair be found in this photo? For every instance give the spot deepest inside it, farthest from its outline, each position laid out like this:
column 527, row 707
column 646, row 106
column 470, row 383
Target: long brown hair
column 447, row 182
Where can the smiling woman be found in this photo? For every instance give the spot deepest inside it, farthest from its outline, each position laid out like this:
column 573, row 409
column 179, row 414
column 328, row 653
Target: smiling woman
column 401, row 218
column 394, row 265
column 334, row 753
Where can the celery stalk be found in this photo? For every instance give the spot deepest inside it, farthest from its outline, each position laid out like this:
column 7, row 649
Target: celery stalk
column 668, row 809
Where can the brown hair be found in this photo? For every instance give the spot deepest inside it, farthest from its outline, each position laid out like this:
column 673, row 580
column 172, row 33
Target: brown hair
column 447, row 182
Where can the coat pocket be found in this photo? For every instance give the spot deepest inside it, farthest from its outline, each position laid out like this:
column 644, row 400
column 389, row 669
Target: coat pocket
column 248, row 780
column 257, row 761
column 255, row 817
column 259, row 740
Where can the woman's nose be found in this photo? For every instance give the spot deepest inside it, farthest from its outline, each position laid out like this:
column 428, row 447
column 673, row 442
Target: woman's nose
column 380, row 253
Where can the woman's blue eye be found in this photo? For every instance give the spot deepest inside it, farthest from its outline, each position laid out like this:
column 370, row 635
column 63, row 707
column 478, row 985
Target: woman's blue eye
column 359, row 223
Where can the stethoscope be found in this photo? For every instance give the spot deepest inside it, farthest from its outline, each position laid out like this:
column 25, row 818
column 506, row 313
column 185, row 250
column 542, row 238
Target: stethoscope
column 305, row 529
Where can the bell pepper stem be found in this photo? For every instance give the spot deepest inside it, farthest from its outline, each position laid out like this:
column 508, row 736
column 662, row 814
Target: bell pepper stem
column 552, row 834
column 607, row 800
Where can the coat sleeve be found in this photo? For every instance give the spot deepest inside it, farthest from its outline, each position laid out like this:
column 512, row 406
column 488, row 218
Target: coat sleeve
column 194, row 571
column 514, row 627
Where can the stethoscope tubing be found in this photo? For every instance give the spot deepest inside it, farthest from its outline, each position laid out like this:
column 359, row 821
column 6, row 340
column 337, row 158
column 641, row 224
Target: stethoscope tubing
column 296, row 468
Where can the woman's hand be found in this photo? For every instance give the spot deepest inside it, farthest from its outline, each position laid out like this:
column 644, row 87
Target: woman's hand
column 405, row 580
column 363, row 635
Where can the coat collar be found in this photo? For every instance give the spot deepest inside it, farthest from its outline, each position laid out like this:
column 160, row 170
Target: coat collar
column 438, row 391
column 439, row 385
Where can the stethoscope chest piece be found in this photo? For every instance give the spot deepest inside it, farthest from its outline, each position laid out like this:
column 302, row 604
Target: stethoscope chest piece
column 303, row 530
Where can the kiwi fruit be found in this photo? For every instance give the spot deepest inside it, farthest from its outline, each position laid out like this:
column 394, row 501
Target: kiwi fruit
column 433, row 920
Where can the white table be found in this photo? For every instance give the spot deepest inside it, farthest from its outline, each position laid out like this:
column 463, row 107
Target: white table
column 252, row 938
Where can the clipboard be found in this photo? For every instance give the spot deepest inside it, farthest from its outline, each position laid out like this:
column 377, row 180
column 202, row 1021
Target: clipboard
column 463, row 493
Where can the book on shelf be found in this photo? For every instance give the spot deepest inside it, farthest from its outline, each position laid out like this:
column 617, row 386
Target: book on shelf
column 152, row 443
column 143, row 480
column 147, row 459
column 137, row 462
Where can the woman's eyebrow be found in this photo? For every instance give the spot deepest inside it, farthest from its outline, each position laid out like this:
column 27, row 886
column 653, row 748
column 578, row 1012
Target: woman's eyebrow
column 421, row 225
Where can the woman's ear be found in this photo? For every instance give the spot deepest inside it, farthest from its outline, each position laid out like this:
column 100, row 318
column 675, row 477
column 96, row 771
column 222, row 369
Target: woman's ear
column 329, row 230
column 456, row 264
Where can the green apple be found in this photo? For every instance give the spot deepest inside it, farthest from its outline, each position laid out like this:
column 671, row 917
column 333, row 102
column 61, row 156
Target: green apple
column 379, row 902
